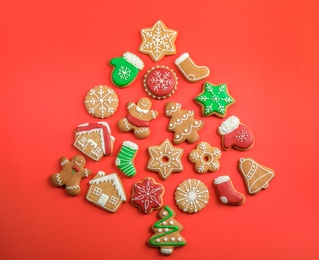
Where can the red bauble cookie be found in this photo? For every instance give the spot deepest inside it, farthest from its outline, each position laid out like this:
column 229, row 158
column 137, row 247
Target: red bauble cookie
column 160, row 82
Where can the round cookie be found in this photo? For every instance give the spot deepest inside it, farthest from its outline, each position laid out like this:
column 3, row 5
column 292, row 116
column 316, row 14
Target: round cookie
column 191, row 196
column 101, row 101
column 160, row 82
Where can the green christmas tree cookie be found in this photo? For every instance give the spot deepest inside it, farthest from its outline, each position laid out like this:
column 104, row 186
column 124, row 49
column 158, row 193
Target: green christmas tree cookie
column 215, row 100
column 125, row 69
column 167, row 231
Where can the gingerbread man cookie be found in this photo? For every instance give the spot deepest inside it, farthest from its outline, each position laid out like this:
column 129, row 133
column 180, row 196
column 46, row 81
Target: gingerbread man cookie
column 205, row 157
column 138, row 118
column 71, row 174
column 182, row 123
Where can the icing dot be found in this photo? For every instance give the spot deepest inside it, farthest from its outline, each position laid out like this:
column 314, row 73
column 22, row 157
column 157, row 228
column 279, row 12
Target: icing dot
column 196, row 123
column 172, row 239
column 165, row 239
column 179, row 239
column 164, row 223
column 158, row 240
column 159, row 230
column 164, row 214
column 166, row 229
column 171, row 222
column 185, row 130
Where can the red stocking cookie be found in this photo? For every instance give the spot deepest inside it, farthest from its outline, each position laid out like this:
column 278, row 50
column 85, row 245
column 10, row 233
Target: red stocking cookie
column 71, row 174
column 235, row 134
column 226, row 191
column 138, row 118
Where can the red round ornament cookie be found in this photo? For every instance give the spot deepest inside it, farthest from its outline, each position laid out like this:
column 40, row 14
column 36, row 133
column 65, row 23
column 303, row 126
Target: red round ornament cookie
column 160, row 82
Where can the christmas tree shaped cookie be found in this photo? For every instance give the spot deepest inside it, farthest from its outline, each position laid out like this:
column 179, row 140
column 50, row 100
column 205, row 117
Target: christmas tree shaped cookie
column 167, row 231
column 182, row 123
column 215, row 100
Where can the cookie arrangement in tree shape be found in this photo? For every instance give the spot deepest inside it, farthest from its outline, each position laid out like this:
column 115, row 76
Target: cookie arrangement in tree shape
column 205, row 157
column 191, row 196
column 71, row 174
column 215, row 99
column 101, row 101
column 165, row 159
column 147, row 195
column 158, row 41
column 138, row 118
column 182, row 123
column 160, row 82
column 167, row 232
column 126, row 69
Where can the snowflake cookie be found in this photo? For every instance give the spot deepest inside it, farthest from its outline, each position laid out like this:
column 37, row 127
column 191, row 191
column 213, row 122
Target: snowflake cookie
column 165, row 159
column 215, row 100
column 205, row 157
column 101, row 101
column 160, row 82
column 158, row 41
column 147, row 195
column 191, row 196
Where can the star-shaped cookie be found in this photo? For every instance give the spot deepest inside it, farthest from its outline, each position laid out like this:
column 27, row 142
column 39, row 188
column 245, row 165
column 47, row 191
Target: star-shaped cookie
column 158, row 41
column 165, row 159
column 215, row 99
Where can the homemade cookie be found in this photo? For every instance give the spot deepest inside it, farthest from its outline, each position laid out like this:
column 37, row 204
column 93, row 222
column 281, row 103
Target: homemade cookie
column 182, row 123
column 94, row 140
column 158, row 41
column 125, row 158
column 71, row 174
column 101, row 101
column 256, row 176
column 165, row 159
column 215, row 100
column 147, row 195
column 226, row 191
column 167, row 232
column 191, row 196
column 235, row 134
column 160, row 82
column 106, row 191
column 126, row 69
column 205, row 157
column 138, row 118
column 190, row 70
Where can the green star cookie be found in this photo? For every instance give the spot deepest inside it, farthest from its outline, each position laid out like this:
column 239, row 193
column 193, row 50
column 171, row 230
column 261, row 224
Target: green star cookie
column 215, row 100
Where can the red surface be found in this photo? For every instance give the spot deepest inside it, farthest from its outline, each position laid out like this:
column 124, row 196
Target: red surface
column 52, row 53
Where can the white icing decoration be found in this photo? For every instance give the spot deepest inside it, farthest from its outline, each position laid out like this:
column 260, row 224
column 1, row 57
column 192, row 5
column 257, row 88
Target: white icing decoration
column 181, row 58
column 172, row 239
column 134, row 60
column 224, row 199
column 72, row 187
column 171, row 222
column 229, row 125
column 179, row 239
column 221, row 179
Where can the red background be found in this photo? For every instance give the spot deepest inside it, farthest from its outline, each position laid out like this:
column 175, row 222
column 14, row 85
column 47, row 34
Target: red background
column 52, row 53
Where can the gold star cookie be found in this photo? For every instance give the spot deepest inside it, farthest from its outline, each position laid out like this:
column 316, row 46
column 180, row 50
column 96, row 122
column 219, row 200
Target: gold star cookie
column 165, row 159
column 158, row 41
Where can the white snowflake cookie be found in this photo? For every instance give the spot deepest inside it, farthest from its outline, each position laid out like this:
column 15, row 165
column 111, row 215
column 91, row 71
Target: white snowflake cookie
column 205, row 157
column 101, row 101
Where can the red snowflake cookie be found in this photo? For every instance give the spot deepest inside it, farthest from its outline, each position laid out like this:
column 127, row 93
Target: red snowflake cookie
column 160, row 82
column 147, row 195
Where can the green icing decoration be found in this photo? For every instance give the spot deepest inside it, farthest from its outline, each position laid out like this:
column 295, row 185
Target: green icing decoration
column 171, row 229
column 215, row 99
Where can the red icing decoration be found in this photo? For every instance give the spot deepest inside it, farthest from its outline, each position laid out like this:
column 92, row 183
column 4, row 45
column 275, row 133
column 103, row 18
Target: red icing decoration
column 241, row 138
column 136, row 121
column 106, row 135
column 147, row 195
column 161, row 81
column 76, row 168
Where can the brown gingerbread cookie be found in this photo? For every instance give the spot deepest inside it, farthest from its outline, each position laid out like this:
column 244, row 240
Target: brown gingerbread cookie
column 182, row 123
column 138, row 118
column 71, row 174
